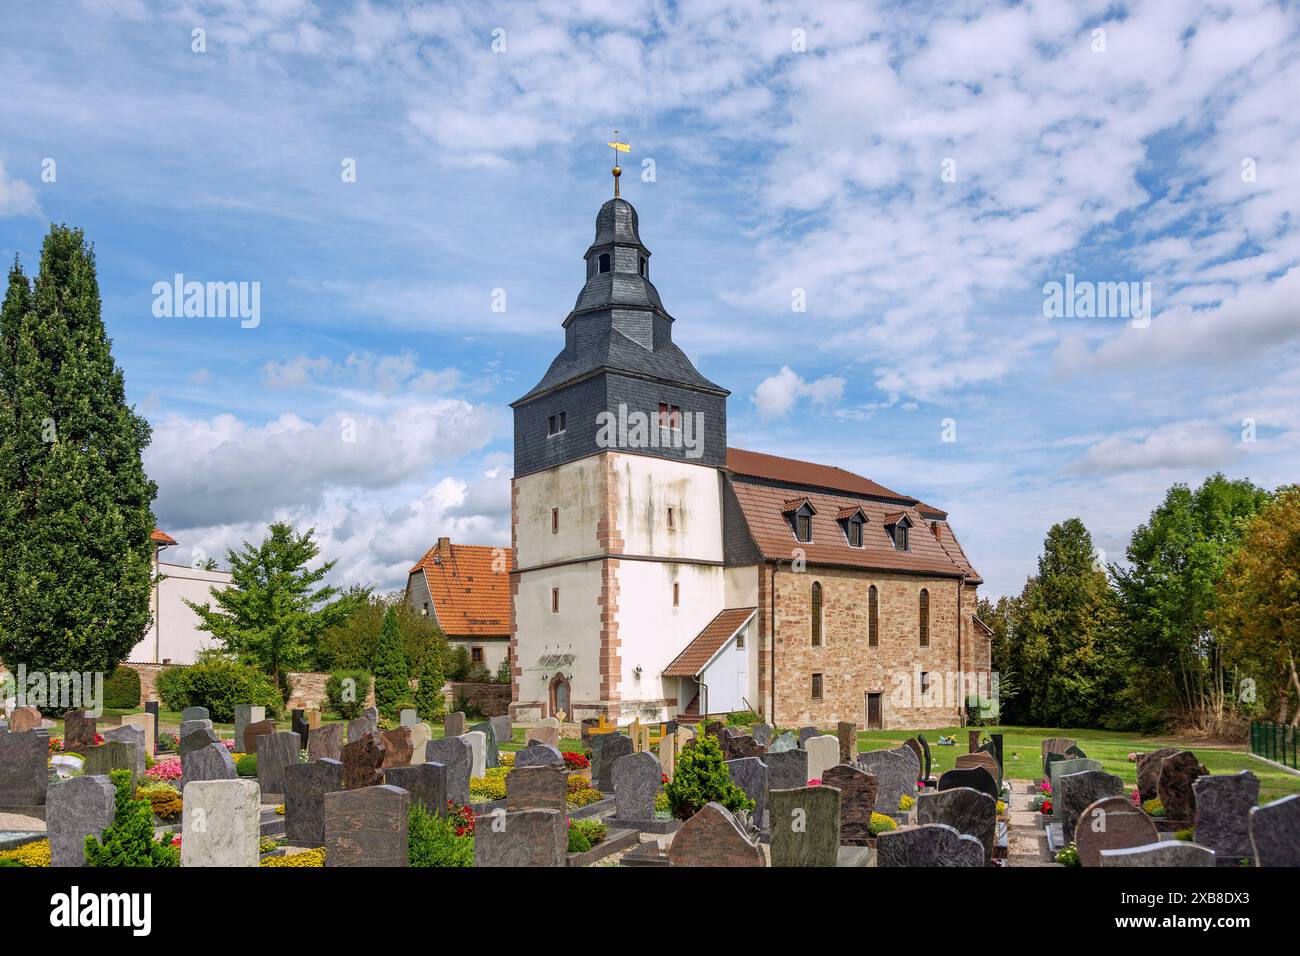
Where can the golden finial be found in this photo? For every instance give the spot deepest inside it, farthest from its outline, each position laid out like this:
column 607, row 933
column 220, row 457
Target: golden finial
column 618, row 147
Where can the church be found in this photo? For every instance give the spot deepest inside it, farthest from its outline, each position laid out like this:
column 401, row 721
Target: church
column 660, row 574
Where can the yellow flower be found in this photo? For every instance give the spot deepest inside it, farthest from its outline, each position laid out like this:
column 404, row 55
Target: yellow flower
column 307, row 858
column 36, row 853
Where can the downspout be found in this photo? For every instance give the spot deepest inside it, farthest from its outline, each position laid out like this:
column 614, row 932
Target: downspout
column 771, row 647
column 961, row 705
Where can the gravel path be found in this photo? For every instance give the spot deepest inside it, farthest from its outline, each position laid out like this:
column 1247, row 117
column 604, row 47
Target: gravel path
column 1026, row 841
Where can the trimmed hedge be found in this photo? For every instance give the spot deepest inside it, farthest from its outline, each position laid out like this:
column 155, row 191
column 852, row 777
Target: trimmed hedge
column 122, row 688
column 348, row 706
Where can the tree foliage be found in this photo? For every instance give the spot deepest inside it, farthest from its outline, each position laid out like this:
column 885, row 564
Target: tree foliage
column 275, row 608
column 392, row 678
column 352, row 644
column 429, row 700
column 75, row 518
column 700, row 776
column 129, row 839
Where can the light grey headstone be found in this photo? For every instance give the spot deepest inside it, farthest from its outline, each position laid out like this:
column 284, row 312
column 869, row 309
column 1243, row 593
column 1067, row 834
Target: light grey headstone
column 196, row 713
column 457, row 756
column 221, row 823
column 132, row 736
column 522, row 838
column 274, row 753
column 191, row 726
column 491, row 750
column 1070, row 765
column 74, row 810
column 505, row 730
column 762, row 734
column 786, row 769
column 454, row 724
column 750, row 775
column 1165, row 853
column 637, row 781
column 538, row 755
column 787, row 741
column 24, row 776
column 896, row 776
column 212, row 762
column 196, row 739
column 360, row 726
column 409, row 717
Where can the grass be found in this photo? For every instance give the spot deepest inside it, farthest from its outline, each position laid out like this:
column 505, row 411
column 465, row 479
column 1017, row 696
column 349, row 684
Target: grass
column 1022, row 750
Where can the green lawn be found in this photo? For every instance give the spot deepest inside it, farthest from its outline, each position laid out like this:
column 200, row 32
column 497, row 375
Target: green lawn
column 1022, row 749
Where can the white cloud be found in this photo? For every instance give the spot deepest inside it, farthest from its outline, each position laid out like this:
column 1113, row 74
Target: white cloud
column 17, row 198
column 777, row 394
column 1180, row 445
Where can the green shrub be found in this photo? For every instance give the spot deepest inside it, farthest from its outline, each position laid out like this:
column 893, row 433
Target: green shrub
column 743, row 718
column 429, row 701
column 122, row 688
column 577, row 842
column 246, row 766
column 128, row 840
column 458, row 663
column 1068, row 856
column 346, row 692
column 701, row 777
column 392, row 678
column 218, row 684
column 594, row 830
column 432, row 840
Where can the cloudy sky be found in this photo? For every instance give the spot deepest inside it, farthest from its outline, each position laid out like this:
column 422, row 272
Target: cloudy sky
column 915, row 180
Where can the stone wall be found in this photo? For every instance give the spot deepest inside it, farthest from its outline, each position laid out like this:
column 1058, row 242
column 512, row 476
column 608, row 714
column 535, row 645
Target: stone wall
column 492, row 700
column 850, row 668
column 306, row 689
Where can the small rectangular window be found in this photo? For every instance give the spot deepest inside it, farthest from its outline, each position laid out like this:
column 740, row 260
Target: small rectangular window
column 925, row 682
column 900, row 537
column 476, row 655
column 677, row 594
column 855, row 534
column 555, row 521
column 740, row 641
column 555, row 424
column 671, row 519
column 803, row 528
column 555, row 600
column 817, row 687
column 670, row 416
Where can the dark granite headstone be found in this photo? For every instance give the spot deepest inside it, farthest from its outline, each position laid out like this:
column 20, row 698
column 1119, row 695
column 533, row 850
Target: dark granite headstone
column 1275, row 832
column 964, row 809
column 426, row 782
column 750, row 775
column 298, row 724
column 925, row 750
column 786, row 769
column 1112, row 823
column 896, row 776
column 274, row 753
column 857, row 802
column 78, row 731
column 362, row 763
column 522, row 838
column 76, row 809
column 154, row 707
column 367, row 826
column 1148, row 772
column 195, row 713
column 847, row 734
column 399, row 748
column 1223, row 805
column 1177, row 774
column 360, row 726
column 110, row 756
column 975, row 777
column 210, row 762
column 134, row 736
column 932, row 844
column 24, row 777
column 260, row 728
column 456, row 754
column 305, row 786
column 605, row 751
column 196, row 740
column 637, row 782
column 805, row 826
column 492, row 753
column 762, row 734
column 806, row 732
column 1080, row 790
column 325, row 742
column 538, row 755
column 453, row 725
column 542, row 788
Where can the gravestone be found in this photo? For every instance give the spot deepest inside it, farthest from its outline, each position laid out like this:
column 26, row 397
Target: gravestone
column 1112, row 823
column 964, row 809
column 196, row 739
column 358, row 728
column 148, row 726
column 606, row 749
column 74, row 810
column 857, row 802
column 925, row 750
column 787, row 741
column 736, row 746
column 1223, row 805
column 911, row 744
column 668, row 755
column 546, row 732
column 980, row 759
column 25, row 718
column 110, row 756
column 846, row 733
column 221, row 823
column 398, row 746
column 1166, row 853
column 210, row 762
column 823, row 753
column 1177, row 774
column 305, row 786
column 750, row 775
column 1061, row 767
column 420, row 737
column 538, row 755
column 1275, row 832
column 713, row 837
column 24, row 777
column 78, row 730
column 246, row 714
column 153, row 709
column 637, row 781
column 998, row 754
column 408, row 717
column 477, row 741
column 504, row 729
column 540, row 788
column 972, row 741
column 425, row 782
column 931, row 844
column 367, row 827
column 247, row 742
column 975, row 777
column 762, row 734
column 896, row 776
column 491, row 750
column 298, row 724
column 362, row 763
column 521, row 838
column 786, row 769
column 1080, row 790
column 325, row 743
column 453, row 725
column 195, row 713
column 807, row 733
column 805, row 825
column 133, row 736
column 1051, row 745
column 274, row 753
column 1148, row 772
column 457, row 756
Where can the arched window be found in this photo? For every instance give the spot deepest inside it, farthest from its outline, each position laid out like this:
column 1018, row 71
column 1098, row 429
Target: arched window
column 643, row 267
column 925, row 618
column 873, row 617
column 816, row 614
column 604, row 262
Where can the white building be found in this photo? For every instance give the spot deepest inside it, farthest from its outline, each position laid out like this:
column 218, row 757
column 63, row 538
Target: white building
column 174, row 636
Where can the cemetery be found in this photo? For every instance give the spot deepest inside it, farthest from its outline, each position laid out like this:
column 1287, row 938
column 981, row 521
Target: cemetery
column 370, row 792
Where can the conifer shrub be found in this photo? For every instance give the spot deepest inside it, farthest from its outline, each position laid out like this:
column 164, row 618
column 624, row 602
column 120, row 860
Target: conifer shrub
column 122, row 688
column 346, row 692
column 129, row 840
column 392, row 678
column 701, row 777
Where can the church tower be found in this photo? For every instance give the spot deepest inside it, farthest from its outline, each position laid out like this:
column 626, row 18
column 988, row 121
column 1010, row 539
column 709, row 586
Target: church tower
column 616, row 501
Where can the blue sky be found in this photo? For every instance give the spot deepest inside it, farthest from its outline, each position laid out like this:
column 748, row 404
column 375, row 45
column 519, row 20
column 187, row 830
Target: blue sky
column 919, row 177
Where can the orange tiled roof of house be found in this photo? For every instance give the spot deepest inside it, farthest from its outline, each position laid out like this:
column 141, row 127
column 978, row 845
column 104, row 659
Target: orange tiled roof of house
column 708, row 642
column 161, row 537
column 470, row 597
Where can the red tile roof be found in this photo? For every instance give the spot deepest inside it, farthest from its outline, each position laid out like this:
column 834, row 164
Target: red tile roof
column 791, row 471
column 708, row 642
column 161, row 537
column 470, row 598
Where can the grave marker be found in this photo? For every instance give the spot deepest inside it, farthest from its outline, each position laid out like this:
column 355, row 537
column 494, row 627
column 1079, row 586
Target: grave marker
column 805, row 825
column 367, row 826
column 76, row 809
column 220, row 823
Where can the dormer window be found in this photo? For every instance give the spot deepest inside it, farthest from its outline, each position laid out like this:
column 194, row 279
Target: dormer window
column 897, row 525
column 603, row 263
column 851, row 521
column 799, row 512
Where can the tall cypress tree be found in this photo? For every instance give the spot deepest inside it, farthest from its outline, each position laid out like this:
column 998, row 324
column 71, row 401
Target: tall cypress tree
column 392, row 677
column 75, row 518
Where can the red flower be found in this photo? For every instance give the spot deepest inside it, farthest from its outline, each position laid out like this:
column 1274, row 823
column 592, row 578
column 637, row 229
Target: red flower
column 1047, row 806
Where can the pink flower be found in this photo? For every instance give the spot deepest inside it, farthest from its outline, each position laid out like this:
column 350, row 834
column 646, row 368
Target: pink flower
column 814, row 783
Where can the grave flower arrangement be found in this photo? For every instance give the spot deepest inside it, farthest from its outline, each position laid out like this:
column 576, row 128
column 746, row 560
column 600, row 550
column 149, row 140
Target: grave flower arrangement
column 36, row 853
column 905, row 803
column 164, row 799
column 575, row 761
column 880, row 823
column 165, row 770
column 1046, row 807
column 1154, row 807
